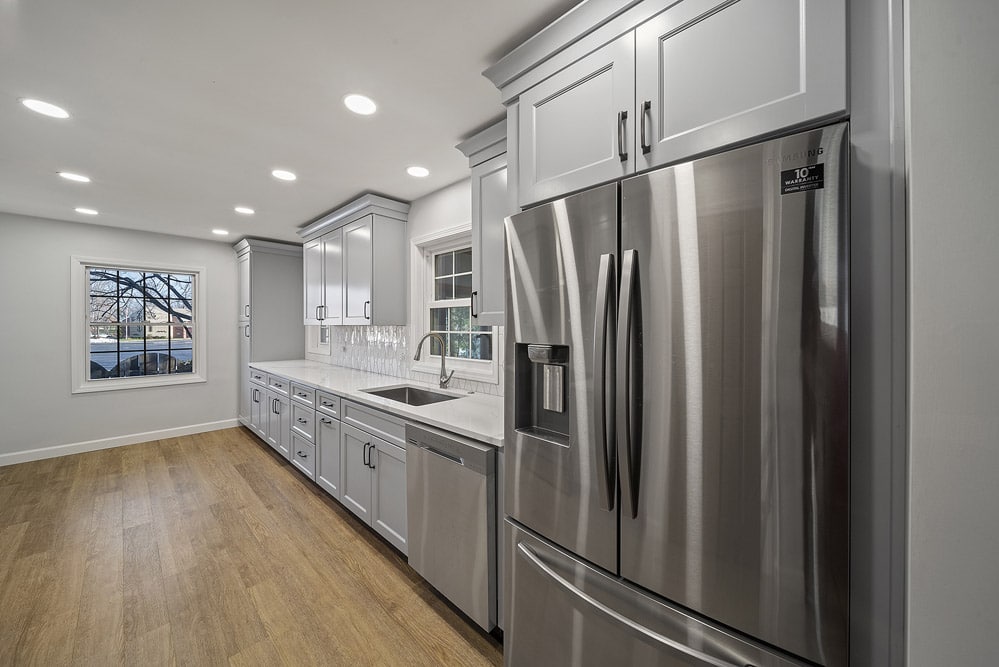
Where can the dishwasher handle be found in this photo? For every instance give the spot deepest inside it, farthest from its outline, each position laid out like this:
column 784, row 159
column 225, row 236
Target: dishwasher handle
column 437, row 452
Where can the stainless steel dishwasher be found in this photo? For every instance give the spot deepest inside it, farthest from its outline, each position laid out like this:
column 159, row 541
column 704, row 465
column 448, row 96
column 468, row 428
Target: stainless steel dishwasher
column 451, row 489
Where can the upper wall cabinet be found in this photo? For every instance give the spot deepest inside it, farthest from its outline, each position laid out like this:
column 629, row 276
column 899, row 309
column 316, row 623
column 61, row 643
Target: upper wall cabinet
column 708, row 77
column 323, row 272
column 486, row 153
column 355, row 264
column 576, row 127
column 660, row 81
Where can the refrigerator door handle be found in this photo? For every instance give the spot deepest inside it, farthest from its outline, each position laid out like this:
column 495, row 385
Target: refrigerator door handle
column 603, row 420
column 535, row 560
column 629, row 379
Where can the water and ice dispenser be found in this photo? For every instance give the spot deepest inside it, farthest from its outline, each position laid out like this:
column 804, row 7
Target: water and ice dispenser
column 542, row 406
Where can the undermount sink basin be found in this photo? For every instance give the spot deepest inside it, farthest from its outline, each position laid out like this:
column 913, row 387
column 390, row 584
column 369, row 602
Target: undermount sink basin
column 410, row 395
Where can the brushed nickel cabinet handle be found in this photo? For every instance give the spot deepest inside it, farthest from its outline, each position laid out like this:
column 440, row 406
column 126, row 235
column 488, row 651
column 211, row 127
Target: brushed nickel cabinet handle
column 622, row 120
column 646, row 108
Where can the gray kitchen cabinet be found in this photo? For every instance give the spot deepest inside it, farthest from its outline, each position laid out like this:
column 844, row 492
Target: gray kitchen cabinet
column 303, row 455
column 257, row 414
column 388, row 494
column 576, row 127
column 328, row 455
column 356, row 472
column 358, row 269
column 312, row 271
column 373, row 470
column 355, row 269
column 243, row 266
column 323, row 273
column 269, row 319
column 486, row 153
column 278, row 430
column 748, row 69
column 652, row 83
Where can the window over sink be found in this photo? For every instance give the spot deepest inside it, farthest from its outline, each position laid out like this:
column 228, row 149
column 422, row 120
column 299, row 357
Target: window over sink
column 137, row 325
column 446, row 289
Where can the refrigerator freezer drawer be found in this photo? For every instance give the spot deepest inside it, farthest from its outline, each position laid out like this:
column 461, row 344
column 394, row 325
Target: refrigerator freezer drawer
column 562, row 611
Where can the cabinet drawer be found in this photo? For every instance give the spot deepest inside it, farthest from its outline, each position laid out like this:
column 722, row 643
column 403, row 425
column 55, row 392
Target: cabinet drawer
column 303, row 455
column 303, row 394
column 258, row 376
column 375, row 422
column 278, row 384
column 328, row 404
column 303, row 421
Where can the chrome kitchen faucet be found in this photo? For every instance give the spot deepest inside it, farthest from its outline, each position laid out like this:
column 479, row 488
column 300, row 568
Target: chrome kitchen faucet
column 445, row 376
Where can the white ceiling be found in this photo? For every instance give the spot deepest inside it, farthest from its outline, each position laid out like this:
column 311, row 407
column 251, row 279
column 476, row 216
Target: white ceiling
column 181, row 109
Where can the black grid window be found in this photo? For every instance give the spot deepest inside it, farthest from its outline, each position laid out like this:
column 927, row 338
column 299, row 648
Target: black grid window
column 450, row 309
column 140, row 322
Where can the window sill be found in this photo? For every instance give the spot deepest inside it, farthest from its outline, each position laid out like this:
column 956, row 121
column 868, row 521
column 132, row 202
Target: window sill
column 90, row 386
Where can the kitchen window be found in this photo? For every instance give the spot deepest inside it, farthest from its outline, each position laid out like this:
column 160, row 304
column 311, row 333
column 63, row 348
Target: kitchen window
column 470, row 350
column 136, row 326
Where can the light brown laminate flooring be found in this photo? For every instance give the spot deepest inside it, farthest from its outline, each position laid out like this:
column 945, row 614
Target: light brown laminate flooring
column 206, row 550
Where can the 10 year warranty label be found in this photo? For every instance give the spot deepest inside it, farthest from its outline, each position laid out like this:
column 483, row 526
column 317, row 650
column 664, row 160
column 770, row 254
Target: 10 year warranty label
column 802, row 179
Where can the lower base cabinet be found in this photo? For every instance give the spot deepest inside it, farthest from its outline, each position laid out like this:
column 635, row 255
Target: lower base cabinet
column 277, row 433
column 374, row 483
column 270, row 417
column 328, row 464
column 361, row 462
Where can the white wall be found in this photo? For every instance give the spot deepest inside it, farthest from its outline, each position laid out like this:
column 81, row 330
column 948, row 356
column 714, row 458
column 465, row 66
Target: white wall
column 37, row 408
column 954, row 333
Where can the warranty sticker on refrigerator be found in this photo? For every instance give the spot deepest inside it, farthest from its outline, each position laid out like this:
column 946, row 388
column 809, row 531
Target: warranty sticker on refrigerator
column 802, row 179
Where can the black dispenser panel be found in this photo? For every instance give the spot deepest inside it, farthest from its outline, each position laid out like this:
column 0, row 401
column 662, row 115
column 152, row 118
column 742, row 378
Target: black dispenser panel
column 542, row 407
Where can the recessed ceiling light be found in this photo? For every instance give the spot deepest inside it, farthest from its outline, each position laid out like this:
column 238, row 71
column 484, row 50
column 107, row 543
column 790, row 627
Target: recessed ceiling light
column 283, row 174
column 220, row 232
column 45, row 108
column 70, row 176
column 85, row 211
column 360, row 104
column 418, row 172
column 245, row 210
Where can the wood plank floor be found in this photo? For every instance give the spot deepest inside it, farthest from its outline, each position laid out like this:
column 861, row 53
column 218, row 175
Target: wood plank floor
column 206, row 550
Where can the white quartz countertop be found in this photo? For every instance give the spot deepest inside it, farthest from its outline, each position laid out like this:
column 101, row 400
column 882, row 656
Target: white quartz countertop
column 476, row 416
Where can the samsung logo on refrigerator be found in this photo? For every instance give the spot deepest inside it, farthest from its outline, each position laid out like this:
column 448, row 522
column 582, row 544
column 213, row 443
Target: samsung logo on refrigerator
column 800, row 155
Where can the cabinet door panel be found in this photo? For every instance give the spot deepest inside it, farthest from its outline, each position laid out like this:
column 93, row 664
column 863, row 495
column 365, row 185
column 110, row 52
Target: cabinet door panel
column 279, row 424
column 313, row 275
column 357, row 268
column 244, row 372
column 709, row 78
column 490, row 206
column 258, row 414
column 333, row 277
column 244, row 288
column 388, row 512
column 355, row 474
column 328, row 455
column 570, row 135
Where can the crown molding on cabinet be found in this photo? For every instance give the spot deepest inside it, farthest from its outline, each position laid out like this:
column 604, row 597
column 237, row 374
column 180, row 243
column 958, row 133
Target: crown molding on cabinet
column 360, row 207
column 274, row 247
column 485, row 145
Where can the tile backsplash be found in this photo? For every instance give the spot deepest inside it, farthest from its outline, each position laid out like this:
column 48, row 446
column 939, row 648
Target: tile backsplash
column 385, row 350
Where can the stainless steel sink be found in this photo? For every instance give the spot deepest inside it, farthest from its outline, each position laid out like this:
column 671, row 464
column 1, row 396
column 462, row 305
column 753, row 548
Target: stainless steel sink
column 410, row 395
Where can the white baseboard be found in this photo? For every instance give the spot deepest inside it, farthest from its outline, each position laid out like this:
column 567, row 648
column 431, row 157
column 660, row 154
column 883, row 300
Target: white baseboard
column 108, row 443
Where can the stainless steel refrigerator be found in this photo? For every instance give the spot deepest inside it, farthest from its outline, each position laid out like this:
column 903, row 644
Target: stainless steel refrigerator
column 677, row 422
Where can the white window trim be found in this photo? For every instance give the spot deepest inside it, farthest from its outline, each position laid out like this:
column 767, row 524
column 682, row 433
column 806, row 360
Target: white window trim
column 80, row 325
column 314, row 343
column 421, row 259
